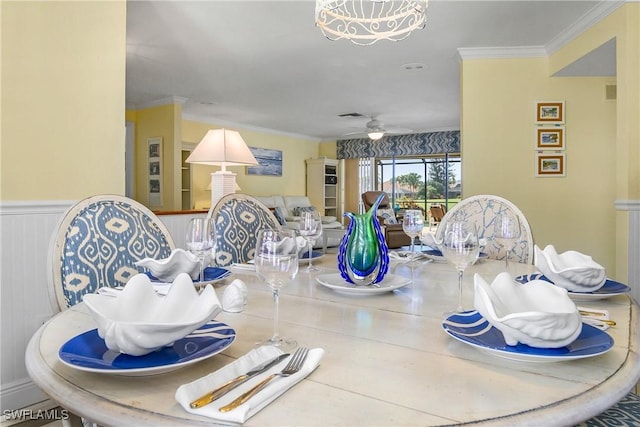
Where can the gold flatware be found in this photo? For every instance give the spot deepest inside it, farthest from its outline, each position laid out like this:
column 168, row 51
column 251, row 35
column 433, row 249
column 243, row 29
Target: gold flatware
column 230, row 385
column 292, row 367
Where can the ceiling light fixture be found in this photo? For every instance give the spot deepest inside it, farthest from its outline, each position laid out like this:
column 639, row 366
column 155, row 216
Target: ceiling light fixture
column 376, row 135
column 364, row 22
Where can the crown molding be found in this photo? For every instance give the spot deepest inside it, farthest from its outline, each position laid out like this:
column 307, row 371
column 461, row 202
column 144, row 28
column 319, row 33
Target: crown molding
column 501, row 52
column 589, row 19
column 158, row 102
column 239, row 126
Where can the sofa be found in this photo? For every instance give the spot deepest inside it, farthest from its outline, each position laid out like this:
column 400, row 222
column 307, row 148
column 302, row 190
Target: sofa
column 285, row 209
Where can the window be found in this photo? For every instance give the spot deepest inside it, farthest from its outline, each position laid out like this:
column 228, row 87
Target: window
column 419, row 182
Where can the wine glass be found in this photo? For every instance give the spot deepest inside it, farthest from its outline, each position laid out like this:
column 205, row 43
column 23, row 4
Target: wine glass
column 506, row 230
column 276, row 262
column 412, row 225
column 201, row 237
column 311, row 230
column 460, row 248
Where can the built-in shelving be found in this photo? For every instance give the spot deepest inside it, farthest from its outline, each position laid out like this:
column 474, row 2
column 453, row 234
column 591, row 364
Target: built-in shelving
column 323, row 186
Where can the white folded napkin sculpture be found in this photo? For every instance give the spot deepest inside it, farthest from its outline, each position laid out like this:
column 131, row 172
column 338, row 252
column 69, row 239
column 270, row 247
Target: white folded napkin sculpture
column 137, row 320
column 571, row 270
column 167, row 269
column 537, row 313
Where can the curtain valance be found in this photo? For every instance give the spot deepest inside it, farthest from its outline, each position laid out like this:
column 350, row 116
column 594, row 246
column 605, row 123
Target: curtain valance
column 417, row 144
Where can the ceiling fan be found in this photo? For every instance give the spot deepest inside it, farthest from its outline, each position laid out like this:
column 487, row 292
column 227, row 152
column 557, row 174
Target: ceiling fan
column 375, row 130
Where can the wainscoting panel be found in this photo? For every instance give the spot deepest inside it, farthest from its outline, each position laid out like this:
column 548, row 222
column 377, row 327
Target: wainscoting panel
column 25, row 304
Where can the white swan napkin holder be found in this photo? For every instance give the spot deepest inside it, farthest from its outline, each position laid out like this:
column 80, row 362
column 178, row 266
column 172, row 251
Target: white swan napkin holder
column 167, row 269
column 571, row 270
column 137, row 321
column 537, row 313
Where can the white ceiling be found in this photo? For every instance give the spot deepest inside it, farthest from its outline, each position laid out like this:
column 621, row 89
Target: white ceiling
column 264, row 65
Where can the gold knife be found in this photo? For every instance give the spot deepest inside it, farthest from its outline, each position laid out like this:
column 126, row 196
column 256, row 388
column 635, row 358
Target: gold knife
column 230, row 385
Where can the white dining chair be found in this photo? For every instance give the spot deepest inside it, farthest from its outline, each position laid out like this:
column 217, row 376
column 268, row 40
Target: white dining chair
column 238, row 218
column 482, row 210
column 96, row 244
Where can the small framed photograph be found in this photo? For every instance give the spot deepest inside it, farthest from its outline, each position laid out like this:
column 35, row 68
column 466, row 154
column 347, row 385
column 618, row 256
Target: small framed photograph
column 550, row 112
column 550, row 164
column 550, row 138
column 154, row 171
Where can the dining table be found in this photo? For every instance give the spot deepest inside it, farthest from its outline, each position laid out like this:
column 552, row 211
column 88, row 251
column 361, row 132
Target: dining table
column 387, row 359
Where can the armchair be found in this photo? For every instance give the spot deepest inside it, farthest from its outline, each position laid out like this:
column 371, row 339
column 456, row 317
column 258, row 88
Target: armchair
column 393, row 233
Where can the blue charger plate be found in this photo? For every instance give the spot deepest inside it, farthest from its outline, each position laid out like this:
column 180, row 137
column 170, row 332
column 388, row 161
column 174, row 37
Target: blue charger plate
column 88, row 352
column 609, row 289
column 471, row 328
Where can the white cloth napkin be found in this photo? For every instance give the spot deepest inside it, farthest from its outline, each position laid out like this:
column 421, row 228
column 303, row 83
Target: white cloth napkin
column 187, row 393
column 404, row 256
column 571, row 270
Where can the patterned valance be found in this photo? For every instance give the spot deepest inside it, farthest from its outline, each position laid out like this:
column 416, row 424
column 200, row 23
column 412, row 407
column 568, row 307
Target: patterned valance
column 417, row 144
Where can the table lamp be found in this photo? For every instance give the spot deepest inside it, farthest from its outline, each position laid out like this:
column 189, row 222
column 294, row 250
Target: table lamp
column 222, row 147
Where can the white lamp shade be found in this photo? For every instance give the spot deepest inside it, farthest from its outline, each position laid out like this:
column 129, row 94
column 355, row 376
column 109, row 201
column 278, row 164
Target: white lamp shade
column 222, row 147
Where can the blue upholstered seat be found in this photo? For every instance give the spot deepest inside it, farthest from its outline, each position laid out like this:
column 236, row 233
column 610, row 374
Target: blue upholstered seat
column 482, row 210
column 97, row 242
column 238, row 219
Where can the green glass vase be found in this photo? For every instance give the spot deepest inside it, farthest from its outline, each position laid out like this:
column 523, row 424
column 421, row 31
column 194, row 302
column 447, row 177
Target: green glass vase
column 363, row 258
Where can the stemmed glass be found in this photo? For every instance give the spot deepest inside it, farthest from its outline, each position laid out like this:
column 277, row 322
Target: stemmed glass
column 201, row 237
column 460, row 248
column 506, row 230
column 311, row 230
column 276, row 261
column 412, row 225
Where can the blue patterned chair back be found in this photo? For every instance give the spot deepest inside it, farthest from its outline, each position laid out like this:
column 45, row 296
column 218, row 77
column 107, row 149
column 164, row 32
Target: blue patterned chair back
column 238, row 219
column 482, row 210
column 97, row 243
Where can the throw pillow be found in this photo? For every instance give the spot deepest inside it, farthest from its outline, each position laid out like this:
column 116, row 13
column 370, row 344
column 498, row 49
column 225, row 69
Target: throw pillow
column 388, row 215
column 280, row 215
column 298, row 210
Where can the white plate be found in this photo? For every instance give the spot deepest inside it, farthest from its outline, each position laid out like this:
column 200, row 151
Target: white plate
column 473, row 329
column 337, row 283
column 88, row 352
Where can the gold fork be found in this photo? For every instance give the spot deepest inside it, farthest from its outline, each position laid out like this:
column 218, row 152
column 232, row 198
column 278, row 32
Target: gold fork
column 294, row 365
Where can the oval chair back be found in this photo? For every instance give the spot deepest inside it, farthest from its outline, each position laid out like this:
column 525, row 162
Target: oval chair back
column 238, row 218
column 96, row 244
column 482, row 210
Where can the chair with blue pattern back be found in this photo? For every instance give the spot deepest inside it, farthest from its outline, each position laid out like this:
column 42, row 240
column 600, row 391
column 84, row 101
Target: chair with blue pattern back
column 238, row 218
column 482, row 210
column 97, row 242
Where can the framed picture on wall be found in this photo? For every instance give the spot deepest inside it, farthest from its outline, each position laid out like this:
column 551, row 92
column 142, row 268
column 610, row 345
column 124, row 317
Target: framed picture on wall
column 550, row 164
column 550, row 138
column 269, row 162
column 154, row 171
column 550, row 112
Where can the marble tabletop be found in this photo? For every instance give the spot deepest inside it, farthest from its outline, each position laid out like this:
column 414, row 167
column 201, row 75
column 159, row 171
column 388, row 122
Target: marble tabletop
column 387, row 361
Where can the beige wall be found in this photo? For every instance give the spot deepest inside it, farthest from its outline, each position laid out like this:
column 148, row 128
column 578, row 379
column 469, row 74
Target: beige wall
column 163, row 121
column 294, row 152
column 63, row 98
column 577, row 211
